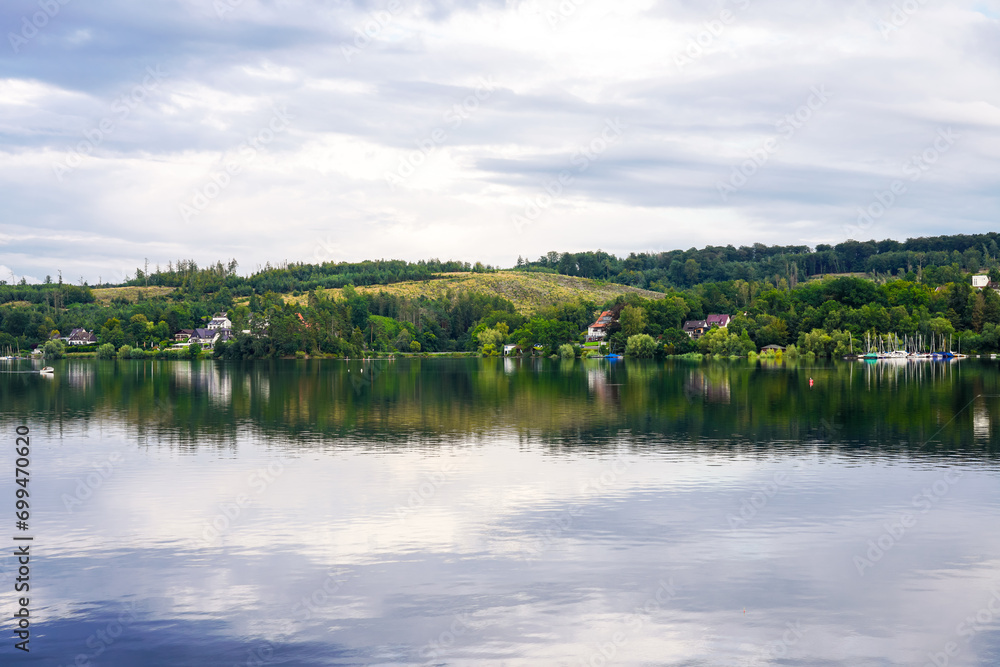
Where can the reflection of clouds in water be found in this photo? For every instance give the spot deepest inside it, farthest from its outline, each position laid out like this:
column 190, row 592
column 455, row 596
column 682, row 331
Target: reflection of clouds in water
column 981, row 420
column 472, row 549
column 205, row 377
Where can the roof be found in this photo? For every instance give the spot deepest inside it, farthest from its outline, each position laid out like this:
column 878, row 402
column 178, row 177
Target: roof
column 695, row 324
column 718, row 319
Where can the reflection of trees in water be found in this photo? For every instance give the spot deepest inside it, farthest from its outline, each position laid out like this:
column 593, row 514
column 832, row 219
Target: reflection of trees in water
column 711, row 384
column 580, row 403
column 894, row 371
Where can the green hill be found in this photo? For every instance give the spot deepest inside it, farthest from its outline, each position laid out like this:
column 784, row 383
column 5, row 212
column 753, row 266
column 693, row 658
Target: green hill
column 527, row 291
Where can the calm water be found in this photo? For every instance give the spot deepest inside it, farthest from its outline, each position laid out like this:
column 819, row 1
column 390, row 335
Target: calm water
column 492, row 512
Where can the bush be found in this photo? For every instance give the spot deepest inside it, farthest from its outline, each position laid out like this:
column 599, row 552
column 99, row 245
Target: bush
column 640, row 345
column 54, row 349
column 124, row 352
column 299, row 354
column 194, row 350
column 137, row 353
column 106, row 351
column 566, row 351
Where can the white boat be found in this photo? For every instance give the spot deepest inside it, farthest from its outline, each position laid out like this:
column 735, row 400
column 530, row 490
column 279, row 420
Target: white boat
column 47, row 370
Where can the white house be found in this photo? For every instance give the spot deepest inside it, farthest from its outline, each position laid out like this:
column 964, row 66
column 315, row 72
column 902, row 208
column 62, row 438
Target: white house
column 220, row 321
column 980, row 281
column 599, row 329
column 81, row 337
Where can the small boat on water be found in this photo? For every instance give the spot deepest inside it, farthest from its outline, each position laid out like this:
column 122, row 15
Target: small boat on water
column 47, row 370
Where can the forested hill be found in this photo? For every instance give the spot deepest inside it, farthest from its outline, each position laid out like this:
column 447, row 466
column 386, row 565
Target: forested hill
column 932, row 260
column 920, row 287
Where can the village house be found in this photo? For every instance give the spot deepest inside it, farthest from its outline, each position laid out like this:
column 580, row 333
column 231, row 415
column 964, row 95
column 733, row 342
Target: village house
column 81, row 337
column 207, row 338
column 183, row 335
column 697, row 328
column 220, row 321
column 599, row 329
column 983, row 281
column 721, row 321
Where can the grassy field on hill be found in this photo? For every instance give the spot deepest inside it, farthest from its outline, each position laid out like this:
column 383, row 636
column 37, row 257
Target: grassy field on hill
column 527, row 291
column 104, row 295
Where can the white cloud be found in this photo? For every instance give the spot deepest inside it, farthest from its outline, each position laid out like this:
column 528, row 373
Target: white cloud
column 697, row 88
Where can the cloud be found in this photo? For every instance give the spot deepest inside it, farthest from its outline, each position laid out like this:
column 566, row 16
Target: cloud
column 422, row 129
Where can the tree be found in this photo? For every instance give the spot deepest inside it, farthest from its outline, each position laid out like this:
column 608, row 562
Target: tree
column 640, row 345
column 566, row 351
column 494, row 338
column 632, row 320
column 54, row 349
column 106, row 351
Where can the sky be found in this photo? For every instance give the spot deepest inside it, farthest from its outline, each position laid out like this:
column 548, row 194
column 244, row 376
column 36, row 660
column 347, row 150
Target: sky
column 279, row 130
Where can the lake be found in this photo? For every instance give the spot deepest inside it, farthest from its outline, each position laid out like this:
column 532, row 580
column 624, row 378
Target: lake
column 506, row 512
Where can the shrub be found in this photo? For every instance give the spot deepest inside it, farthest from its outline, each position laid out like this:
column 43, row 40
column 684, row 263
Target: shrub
column 640, row 345
column 566, row 351
column 54, row 349
column 137, row 353
column 124, row 352
column 106, row 351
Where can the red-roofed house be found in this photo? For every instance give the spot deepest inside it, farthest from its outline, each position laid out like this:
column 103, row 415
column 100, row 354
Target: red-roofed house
column 599, row 329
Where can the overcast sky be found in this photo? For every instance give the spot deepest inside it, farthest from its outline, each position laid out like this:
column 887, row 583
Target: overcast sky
column 316, row 131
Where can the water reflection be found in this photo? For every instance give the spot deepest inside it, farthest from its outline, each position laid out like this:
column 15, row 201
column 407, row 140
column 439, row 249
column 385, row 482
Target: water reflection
column 913, row 406
column 511, row 512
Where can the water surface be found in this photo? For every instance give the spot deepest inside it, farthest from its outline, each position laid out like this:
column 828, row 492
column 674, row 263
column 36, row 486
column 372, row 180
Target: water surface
column 508, row 512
